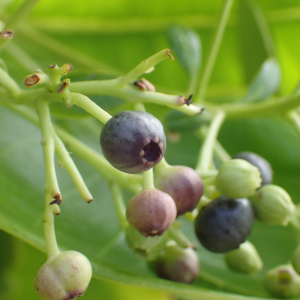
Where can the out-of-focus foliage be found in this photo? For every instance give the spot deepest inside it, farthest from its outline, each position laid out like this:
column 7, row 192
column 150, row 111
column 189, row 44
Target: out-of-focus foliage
column 107, row 38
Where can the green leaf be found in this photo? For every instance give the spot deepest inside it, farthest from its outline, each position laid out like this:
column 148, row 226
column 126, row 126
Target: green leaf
column 255, row 39
column 121, row 34
column 265, row 83
column 187, row 45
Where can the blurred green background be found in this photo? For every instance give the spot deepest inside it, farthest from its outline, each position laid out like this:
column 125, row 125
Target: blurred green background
column 103, row 39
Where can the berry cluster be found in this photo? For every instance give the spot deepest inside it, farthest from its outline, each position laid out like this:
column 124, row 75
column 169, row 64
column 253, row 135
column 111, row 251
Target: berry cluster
column 240, row 192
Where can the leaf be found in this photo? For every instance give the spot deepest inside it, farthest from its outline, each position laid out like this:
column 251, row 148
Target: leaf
column 255, row 39
column 187, row 45
column 265, row 83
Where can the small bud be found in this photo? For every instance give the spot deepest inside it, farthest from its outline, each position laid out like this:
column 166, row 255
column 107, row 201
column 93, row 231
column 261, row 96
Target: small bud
column 63, row 277
column 177, row 264
column 146, row 247
column 283, row 282
column 245, row 259
column 272, row 205
column 183, row 184
column 151, row 212
column 296, row 260
column 237, row 178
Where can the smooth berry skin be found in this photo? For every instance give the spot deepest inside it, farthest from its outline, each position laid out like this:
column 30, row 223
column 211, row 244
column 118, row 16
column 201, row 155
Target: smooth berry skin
column 224, row 224
column 133, row 141
column 151, row 212
column 263, row 165
column 183, row 184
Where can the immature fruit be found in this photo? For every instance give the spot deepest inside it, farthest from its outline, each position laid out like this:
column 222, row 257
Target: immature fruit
column 133, row 141
column 237, row 178
column 245, row 259
column 177, row 264
column 183, row 184
column 63, row 277
column 151, row 212
column 224, row 223
column 263, row 165
column 283, row 282
column 272, row 205
column 296, row 260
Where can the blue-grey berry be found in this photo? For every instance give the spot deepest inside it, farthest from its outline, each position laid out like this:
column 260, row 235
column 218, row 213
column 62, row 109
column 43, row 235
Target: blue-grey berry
column 223, row 224
column 133, row 141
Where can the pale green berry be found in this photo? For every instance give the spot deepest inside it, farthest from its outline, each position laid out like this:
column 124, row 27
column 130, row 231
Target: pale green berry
column 63, row 277
column 245, row 259
column 272, row 205
column 237, row 178
column 296, row 260
column 283, row 282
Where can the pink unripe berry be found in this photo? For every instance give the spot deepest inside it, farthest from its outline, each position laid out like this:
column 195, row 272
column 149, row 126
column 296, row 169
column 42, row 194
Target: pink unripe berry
column 63, row 277
column 151, row 212
column 183, row 184
column 177, row 264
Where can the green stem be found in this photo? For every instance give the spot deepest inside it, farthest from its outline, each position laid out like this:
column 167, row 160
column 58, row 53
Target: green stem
column 9, row 84
column 49, row 230
column 219, row 150
column 209, row 181
column 144, row 66
column 119, row 203
column 206, row 152
column 43, row 112
column 19, row 55
column 294, row 119
column 71, row 168
column 21, row 14
column 177, row 235
column 148, row 180
column 91, row 107
column 128, row 181
column 207, row 174
column 63, row 50
column 139, row 106
column 270, row 108
column 132, row 94
column 214, row 49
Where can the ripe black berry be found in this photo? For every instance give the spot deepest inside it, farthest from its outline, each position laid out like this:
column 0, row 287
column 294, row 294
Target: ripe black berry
column 263, row 165
column 224, row 224
column 133, row 141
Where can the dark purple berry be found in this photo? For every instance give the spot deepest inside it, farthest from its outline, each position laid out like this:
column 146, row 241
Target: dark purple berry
column 263, row 165
column 177, row 264
column 151, row 212
column 224, row 223
column 133, row 141
column 183, row 184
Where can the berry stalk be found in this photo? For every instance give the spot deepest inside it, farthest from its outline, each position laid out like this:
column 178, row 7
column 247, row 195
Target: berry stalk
column 206, row 151
column 43, row 112
column 144, row 67
column 69, row 165
column 214, row 49
column 119, row 203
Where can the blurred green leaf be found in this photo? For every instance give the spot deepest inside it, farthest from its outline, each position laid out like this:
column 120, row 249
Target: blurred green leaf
column 265, row 83
column 187, row 46
column 129, row 33
column 255, row 39
column 177, row 121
